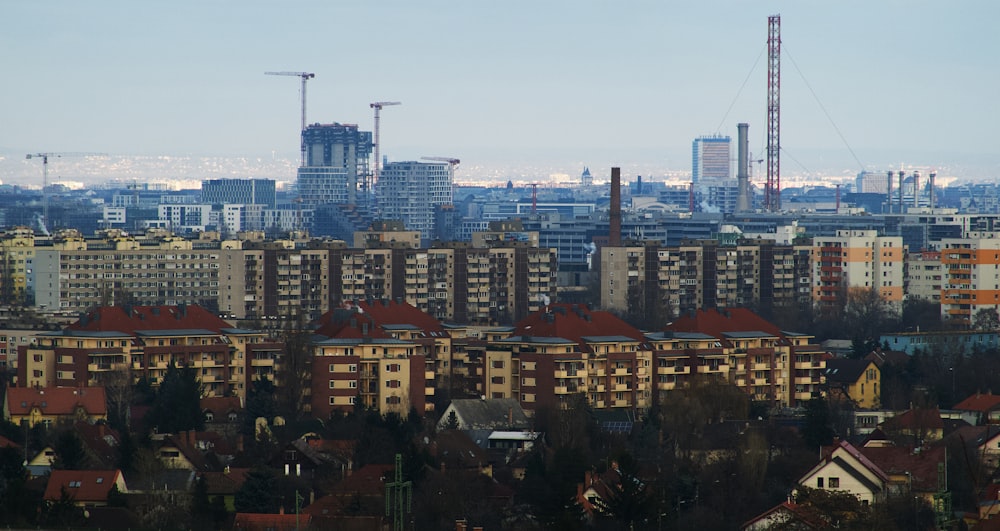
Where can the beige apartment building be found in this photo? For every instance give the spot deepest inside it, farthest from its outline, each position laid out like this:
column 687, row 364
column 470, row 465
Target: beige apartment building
column 857, row 260
column 971, row 270
column 924, row 276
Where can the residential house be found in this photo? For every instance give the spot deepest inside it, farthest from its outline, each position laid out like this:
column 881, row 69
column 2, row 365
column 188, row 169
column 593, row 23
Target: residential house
column 915, row 427
column 51, row 405
column 857, row 382
column 485, row 414
column 225, row 484
column 222, row 414
column 786, row 515
column 985, row 407
column 84, row 487
column 271, row 522
column 845, row 468
column 358, row 499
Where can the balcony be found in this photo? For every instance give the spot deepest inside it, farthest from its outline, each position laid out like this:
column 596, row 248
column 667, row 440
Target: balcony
column 599, row 389
column 624, row 371
column 428, row 391
column 807, row 380
column 429, row 375
column 620, row 403
column 808, row 364
column 622, row 387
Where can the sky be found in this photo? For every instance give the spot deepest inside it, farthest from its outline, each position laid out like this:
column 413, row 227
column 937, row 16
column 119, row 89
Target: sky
column 548, row 84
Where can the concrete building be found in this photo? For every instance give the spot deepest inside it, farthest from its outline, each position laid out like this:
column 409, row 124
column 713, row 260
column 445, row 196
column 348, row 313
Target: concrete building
column 710, row 160
column 924, row 276
column 112, row 343
column 239, row 191
column 971, row 270
column 336, row 166
column 412, row 191
column 856, row 260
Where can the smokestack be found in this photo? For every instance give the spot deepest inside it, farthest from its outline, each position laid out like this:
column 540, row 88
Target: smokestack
column 838, row 200
column 916, row 188
column 742, row 173
column 901, row 175
column 933, row 175
column 615, row 234
column 888, row 193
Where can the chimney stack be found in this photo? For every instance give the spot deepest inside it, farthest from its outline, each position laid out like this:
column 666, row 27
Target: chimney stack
column 888, row 191
column 615, row 231
column 901, row 175
column 838, row 200
column 742, row 173
column 916, row 189
column 933, row 175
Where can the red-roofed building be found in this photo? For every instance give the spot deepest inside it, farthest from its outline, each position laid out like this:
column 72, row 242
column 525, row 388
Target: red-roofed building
column 84, row 487
column 566, row 350
column 271, row 522
column 986, row 407
column 736, row 345
column 786, row 515
column 147, row 340
column 51, row 405
column 355, row 360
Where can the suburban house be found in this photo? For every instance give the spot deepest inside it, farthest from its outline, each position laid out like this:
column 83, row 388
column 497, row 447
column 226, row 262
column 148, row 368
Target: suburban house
column 84, row 487
column 855, row 381
column 52, row 405
column 486, row 414
column 787, row 515
column 844, row 468
column 984, row 406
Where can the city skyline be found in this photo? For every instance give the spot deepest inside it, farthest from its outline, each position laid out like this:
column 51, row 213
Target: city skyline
column 557, row 86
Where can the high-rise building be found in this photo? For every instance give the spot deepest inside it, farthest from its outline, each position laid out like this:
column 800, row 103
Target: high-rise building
column 238, row 191
column 857, row 260
column 971, row 281
column 710, row 158
column 411, row 191
column 336, row 165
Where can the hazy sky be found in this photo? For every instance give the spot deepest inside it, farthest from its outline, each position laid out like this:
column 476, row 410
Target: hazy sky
column 597, row 82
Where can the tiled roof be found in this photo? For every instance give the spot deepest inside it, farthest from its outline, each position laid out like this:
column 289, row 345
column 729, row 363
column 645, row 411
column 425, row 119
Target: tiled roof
column 81, row 485
column 5, row 443
column 979, row 402
column 57, row 400
column 129, row 319
column 348, row 324
column 101, row 441
column 574, row 322
column 401, row 313
column 799, row 516
column 490, row 413
column 226, row 482
column 717, row 323
column 220, row 405
column 929, row 419
column 920, row 465
column 368, row 480
column 271, row 522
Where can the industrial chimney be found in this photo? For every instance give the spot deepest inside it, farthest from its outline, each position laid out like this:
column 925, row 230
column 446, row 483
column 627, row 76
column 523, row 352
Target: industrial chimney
column 933, row 175
column 888, row 193
column 901, row 175
column 916, row 189
column 742, row 173
column 615, row 229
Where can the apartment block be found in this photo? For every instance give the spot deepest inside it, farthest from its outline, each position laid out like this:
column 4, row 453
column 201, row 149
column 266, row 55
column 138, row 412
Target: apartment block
column 971, row 271
column 133, row 342
column 924, row 276
column 857, row 260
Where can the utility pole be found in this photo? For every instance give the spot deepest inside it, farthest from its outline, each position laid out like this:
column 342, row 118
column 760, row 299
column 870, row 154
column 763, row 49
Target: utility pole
column 398, row 497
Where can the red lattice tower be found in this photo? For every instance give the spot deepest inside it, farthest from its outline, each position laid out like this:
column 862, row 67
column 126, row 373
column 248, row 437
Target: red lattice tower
column 772, row 191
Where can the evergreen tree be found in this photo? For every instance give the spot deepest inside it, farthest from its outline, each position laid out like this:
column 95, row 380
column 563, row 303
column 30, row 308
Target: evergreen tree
column 176, row 406
column 70, row 454
column 259, row 493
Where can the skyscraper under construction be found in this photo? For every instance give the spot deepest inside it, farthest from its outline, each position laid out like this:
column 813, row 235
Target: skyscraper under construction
column 336, row 165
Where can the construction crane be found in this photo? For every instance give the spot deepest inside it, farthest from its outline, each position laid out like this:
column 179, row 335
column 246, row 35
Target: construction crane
column 45, row 177
column 306, row 76
column 378, row 162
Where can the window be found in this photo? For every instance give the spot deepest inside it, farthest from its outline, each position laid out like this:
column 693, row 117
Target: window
column 392, row 400
column 352, row 368
column 834, row 483
column 353, row 384
column 497, row 364
column 819, row 483
column 333, row 384
column 332, row 367
column 392, row 384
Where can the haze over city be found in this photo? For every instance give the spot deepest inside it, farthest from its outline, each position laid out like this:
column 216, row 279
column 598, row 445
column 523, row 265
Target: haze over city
column 517, row 90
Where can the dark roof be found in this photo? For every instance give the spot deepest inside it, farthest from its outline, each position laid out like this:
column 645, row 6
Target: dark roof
column 916, row 419
column 920, row 464
column 101, row 442
column 221, row 405
column 802, row 516
column 348, row 324
column 845, row 371
column 129, row 319
column 400, row 313
column 226, row 482
column 490, row 413
column 456, row 450
column 271, row 522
